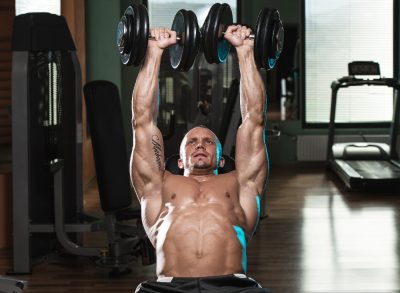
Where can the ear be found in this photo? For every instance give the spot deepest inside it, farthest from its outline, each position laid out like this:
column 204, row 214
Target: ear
column 180, row 163
column 221, row 162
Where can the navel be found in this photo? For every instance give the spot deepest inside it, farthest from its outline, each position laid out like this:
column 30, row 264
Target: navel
column 173, row 196
column 227, row 194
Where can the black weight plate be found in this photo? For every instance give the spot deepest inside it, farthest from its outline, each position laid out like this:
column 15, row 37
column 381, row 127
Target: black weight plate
column 264, row 45
column 135, row 27
column 127, row 56
column 194, row 38
column 122, row 35
column 204, row 31
column 142, row 39
column 178, row 52
column 271, row 57
column 278, row 35
column 266, row 40
column 207, row 33
column 224, row 19
column 212, row 36
column 269, row 54
column 258, row 39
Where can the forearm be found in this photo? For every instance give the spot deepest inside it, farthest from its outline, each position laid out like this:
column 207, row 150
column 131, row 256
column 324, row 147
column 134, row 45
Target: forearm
column 144, row 97
column 252, row 90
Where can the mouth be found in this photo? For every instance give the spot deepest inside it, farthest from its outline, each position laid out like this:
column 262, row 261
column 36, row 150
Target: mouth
column 200, row 155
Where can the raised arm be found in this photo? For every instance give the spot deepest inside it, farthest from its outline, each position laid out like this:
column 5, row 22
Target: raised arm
column 250, row 157
column 147, row 160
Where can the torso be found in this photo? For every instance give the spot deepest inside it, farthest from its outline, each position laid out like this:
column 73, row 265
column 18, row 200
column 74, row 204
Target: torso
column 197, row 232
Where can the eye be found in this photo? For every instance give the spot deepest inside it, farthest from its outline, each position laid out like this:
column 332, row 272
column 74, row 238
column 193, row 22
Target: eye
column 209, row 142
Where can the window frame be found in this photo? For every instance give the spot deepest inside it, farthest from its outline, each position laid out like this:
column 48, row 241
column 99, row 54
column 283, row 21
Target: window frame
column 347, row 125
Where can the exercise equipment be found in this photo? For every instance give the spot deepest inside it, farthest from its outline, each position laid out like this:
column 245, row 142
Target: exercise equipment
column 46, row 121
column 48, row 212
column 183, row 53
column 133, row 34
column 365, row 164
column 268, row 36
column 8, row 285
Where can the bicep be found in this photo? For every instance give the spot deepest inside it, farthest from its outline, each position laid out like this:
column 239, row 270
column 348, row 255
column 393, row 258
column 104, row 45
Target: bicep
column 251, row 156
column 147, row 159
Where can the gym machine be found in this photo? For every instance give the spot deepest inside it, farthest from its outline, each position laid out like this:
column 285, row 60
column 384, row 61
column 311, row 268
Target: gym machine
column 48, row 210
column 367, row 164
column 47, row 123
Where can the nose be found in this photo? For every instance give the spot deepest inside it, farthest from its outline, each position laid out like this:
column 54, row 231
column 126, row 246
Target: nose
column 200, row 146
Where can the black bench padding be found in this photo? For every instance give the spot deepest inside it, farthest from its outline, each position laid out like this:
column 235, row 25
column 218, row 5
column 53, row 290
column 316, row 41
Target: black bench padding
column 104, row 117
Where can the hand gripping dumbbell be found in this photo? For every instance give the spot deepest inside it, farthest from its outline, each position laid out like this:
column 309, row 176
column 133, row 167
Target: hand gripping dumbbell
column 133, row 35
column 268, row 36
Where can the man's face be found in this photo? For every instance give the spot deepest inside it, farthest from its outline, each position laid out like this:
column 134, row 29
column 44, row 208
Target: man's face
column 199, row 150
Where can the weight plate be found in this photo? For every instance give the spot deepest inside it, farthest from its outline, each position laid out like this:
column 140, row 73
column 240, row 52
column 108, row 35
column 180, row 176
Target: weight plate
column 278, row 35
column 207, row 32
column 122, row 36
column 258, row 38
column 269, row 56
column 266, row 47
column 194, row 39
column 178, row 52
column 143, row 35
column 125, row 38
column 272, row 39
column 213, row 32
column 224, row 19
column 135, row 28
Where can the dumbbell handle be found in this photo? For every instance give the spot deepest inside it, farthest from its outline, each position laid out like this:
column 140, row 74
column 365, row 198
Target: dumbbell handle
column 153, row 38
column 251, row 37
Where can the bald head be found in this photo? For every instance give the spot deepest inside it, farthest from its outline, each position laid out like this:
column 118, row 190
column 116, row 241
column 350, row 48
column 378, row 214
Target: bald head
column 197, row 142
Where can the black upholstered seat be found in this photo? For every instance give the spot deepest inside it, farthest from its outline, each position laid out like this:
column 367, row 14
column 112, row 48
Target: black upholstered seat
column 109, row 147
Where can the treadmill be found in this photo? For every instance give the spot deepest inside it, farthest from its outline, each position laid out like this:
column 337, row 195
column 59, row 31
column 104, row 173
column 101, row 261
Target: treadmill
column 362, row 165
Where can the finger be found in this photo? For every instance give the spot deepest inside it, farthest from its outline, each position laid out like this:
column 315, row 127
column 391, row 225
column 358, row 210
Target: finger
column 231, row 29
column 172, row 34
column 248, row 32
column 157, row 33
column 164, row 33
column 152, row 33
column 243, row 32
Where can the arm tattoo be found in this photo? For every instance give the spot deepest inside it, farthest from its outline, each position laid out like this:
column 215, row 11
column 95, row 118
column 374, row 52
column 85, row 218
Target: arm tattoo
column 157, row 150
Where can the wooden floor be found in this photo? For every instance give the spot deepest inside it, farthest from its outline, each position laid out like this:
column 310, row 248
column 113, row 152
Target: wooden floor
column 318, row 238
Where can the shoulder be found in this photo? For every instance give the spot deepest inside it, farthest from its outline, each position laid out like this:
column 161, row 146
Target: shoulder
column 230, row 176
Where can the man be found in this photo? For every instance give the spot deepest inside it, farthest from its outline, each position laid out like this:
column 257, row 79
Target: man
column 199, row 223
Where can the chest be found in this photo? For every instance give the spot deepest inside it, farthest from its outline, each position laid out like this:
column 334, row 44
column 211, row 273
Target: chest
column 181, row 190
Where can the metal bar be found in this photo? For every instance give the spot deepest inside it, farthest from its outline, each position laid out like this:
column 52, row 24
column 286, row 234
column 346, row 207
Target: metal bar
column 69, row 228
column 59, row 221
column 331, row 131
column 20, row 168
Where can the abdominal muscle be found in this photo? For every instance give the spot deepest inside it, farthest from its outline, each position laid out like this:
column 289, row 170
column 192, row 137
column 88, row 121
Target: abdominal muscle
column 197, row 240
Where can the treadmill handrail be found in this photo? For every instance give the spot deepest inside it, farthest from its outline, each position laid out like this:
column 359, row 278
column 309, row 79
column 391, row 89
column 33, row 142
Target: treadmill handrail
column 349, row 81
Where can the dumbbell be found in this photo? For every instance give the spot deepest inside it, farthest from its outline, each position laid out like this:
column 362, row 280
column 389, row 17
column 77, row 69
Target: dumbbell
column 268, row 36
column 133, row 34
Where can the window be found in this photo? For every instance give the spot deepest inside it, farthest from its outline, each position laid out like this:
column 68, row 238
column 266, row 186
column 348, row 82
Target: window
column 162, row 12
column 337, row 32
column 25, row 6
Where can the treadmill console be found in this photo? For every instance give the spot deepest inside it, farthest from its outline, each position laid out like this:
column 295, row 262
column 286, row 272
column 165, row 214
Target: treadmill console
column 364, row 68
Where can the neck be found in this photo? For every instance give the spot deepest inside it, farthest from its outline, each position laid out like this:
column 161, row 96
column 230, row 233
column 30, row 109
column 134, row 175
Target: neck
column 199, row 176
